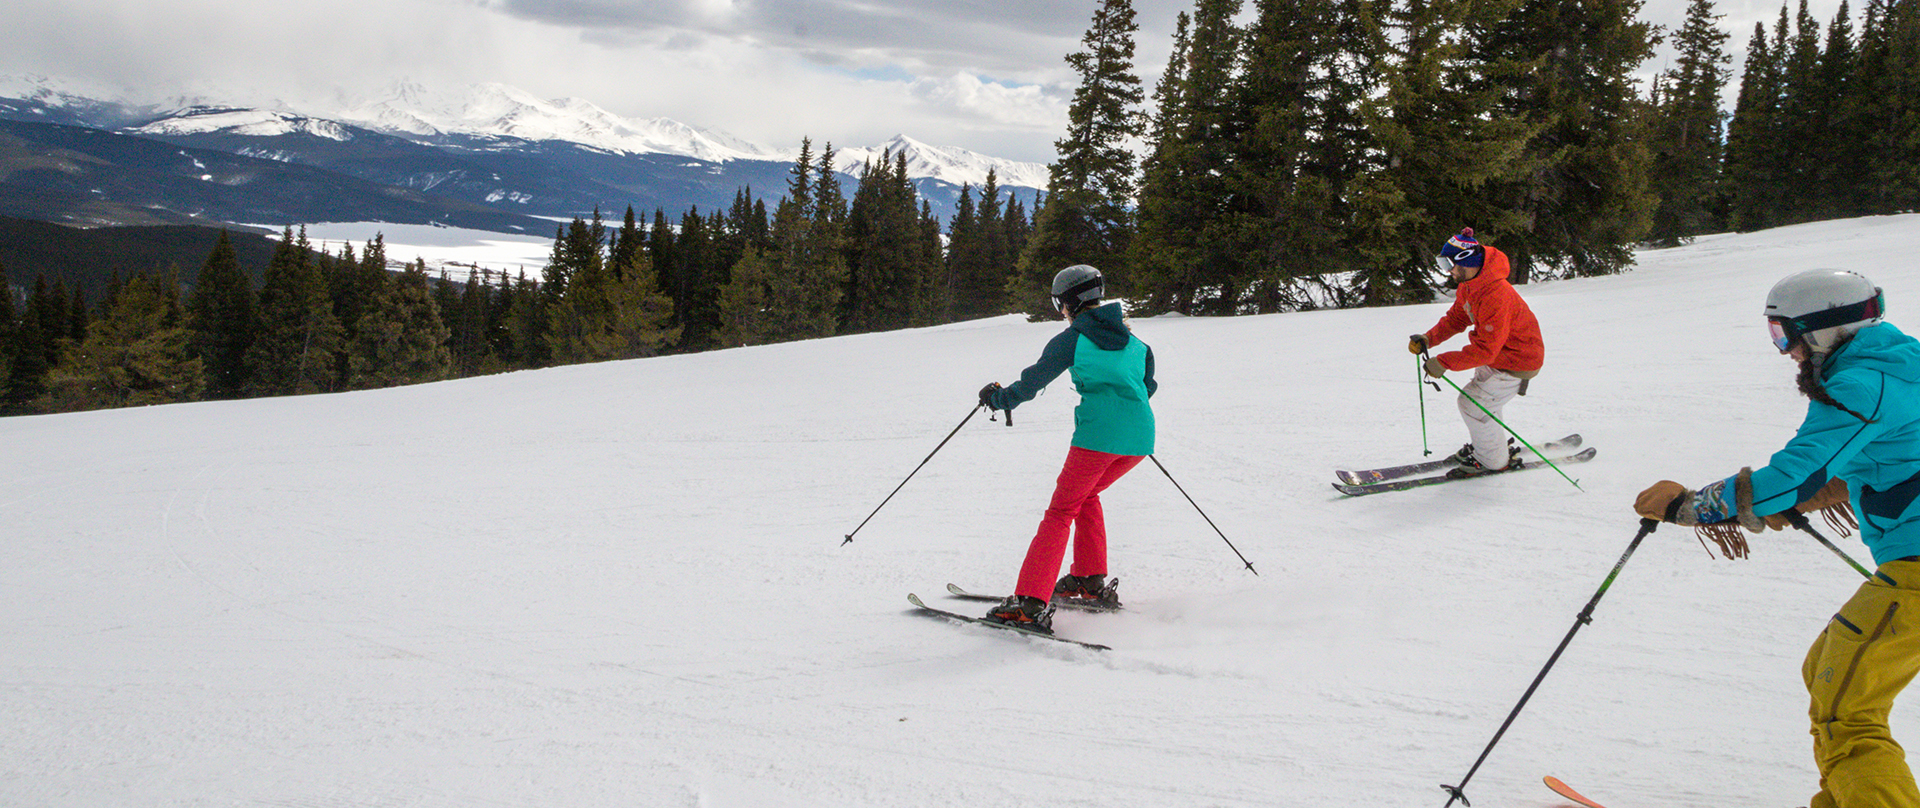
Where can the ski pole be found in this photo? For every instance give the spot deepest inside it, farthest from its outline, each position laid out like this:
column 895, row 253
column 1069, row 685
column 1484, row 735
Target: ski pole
column 1799, row 520
column 1420, row 384
column 1586, row 616
column 916, row 469
column 1203, row 515
column 1516, row 435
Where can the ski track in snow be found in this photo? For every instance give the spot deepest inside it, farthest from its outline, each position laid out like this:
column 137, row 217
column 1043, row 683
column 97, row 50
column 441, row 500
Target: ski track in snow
column 624, row 583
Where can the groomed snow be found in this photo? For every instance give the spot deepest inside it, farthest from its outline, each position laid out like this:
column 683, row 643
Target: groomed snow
column 624, row 584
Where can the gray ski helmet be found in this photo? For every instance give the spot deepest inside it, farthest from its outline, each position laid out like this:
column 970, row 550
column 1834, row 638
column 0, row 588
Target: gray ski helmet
column 1821, row 307
column 1077, row 284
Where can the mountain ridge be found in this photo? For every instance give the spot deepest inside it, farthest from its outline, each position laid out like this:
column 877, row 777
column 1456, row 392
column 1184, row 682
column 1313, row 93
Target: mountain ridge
column 450, row 157
column 475, row 115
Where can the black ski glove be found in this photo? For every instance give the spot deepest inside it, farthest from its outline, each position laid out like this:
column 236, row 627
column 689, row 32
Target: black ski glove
column 987, row 394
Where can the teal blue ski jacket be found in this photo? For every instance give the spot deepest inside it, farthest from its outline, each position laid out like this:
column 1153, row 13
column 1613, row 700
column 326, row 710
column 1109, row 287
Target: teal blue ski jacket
column 1876, row 374
column 1113, row 372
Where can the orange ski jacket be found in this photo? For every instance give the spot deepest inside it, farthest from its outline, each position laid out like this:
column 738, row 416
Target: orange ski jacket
column 1505, row 334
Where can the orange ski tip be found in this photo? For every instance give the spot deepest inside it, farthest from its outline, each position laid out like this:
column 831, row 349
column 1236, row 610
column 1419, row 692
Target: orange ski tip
column 1565, row 791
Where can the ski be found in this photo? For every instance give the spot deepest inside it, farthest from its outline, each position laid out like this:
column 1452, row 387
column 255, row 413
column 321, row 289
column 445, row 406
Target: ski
column 1420, row 482
column 1562, row 790
column 1554, row 448
column 1064, row 603
column 981, row 621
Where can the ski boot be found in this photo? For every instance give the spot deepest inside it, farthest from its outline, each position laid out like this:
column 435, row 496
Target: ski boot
column 1470, row 467
column 1092, row 590
column 1026, row 612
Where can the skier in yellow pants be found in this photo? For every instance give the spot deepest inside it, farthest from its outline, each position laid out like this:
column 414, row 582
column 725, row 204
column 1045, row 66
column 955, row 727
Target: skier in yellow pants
column 1866, row 656
column 1861, row 432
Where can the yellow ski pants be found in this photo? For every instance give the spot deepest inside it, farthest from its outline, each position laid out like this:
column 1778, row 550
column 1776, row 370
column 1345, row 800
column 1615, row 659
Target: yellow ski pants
column 1868, row 653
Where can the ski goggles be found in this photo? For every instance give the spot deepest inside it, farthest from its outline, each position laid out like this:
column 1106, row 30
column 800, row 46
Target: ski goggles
column 1782, row 337
column 1446, row 262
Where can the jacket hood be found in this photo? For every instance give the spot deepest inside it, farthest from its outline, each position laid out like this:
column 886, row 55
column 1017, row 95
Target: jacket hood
column 1880, row 347
column 1496, row 268
column 1106, row 325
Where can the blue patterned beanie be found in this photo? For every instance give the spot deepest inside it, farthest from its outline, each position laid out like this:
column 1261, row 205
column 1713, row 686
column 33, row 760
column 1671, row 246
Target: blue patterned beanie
column 1463, row 249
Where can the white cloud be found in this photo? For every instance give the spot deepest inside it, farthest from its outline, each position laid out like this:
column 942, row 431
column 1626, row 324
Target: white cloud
column 985, row 75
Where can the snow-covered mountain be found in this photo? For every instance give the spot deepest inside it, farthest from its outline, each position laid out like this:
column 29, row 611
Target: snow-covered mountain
column 489, row 144
column 499, row 111
column 247, row 122
column 506, row 113
column 948, row 163
column 509, row 116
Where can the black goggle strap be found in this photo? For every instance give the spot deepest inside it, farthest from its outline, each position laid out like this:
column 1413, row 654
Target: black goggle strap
column 1797, row 327
column 1071, row 297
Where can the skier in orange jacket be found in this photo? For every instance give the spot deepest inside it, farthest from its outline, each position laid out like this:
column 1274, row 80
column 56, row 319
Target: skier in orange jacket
column 1504, row 349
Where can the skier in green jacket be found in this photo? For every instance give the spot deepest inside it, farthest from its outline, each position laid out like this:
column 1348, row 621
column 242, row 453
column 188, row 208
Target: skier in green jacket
column 1113, row 431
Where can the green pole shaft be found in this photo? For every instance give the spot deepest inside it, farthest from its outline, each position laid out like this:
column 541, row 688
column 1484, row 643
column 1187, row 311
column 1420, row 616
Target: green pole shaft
column 1799, row 520
column 1420, row 385
column 1516, row 435
column 1458, row 793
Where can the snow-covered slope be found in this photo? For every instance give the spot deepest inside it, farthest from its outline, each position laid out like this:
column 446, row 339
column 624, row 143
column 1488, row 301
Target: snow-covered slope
column 625, row 584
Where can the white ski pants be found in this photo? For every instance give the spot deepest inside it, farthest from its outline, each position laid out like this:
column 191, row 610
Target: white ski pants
column 1492, row 389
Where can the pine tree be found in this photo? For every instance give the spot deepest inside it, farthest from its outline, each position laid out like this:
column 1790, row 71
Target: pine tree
column 1087, row 219
column 574, row 293
column 979, row 257
column 640, row 321
column 1894, row 148
column 1447, row 141
column 1017, row 228
column 887, row 285
column 138, row 353
column 1838, row 163
column 523, row 323
column 997, row 253
column 223, row 317
column 746, row 302
column 1182, row 191
column 1306, row 155
column 8, row 329
column 33, row 346
column 1687, row 133
column 77, row 319
column 1756, row 158
column 965, row 275
column 467, row 343
column 401, row 337
column 1804, row 118
column 1568, row 67
column 698, row 271
column 292, row 351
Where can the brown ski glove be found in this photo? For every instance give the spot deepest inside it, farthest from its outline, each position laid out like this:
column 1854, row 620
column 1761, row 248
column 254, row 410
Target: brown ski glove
column 1833, row 502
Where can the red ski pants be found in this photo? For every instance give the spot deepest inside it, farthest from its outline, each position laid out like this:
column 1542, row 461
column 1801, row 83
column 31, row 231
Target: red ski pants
column 1075, row 510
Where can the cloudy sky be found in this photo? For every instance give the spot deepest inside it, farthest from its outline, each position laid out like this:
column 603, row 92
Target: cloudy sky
column 986, row 75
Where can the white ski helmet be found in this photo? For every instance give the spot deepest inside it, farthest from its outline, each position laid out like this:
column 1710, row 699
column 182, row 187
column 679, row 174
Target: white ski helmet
column 1077, row 284
column 1821, row 307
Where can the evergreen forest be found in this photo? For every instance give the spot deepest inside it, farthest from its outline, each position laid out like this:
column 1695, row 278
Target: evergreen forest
column 1292, row 155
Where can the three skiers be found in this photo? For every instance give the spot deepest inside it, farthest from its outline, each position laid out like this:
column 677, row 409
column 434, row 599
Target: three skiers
column 1862, row 430
column 1504, row 350
column 1113, row 431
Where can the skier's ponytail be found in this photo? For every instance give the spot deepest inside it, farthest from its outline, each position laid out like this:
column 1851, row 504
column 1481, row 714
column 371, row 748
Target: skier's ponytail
column 1810, row 386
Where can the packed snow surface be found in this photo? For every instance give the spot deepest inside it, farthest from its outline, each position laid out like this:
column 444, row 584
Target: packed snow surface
column 625, row 584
